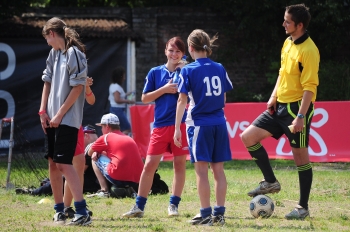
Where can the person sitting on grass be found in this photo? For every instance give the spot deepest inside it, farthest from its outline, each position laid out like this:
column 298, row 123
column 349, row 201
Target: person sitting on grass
column 120, row 164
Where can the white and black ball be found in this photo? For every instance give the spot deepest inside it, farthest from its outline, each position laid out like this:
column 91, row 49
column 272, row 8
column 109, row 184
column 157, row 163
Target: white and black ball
column 261, row 206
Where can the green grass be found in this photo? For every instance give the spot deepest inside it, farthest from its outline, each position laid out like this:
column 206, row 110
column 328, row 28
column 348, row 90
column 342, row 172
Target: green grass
column 329, row 204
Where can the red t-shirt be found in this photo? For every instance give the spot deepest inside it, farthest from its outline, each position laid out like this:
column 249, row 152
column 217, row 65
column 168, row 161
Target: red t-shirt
column 126, row 163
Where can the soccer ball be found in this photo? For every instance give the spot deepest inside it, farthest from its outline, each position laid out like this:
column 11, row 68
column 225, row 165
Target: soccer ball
column 261, row 206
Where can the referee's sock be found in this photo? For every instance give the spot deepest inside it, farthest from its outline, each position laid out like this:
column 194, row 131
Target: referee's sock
column 261, row 158
column 305, row 182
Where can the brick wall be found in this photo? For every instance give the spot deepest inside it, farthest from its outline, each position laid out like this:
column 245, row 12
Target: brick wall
column 144, row 21
column 158, row 25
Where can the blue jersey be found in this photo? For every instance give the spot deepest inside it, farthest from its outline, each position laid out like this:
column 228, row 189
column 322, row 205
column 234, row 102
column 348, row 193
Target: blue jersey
column 165, row 105
column 205, row 82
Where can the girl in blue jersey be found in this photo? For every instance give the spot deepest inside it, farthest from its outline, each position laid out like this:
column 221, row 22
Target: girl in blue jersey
column 159, row 88
column 205, row 82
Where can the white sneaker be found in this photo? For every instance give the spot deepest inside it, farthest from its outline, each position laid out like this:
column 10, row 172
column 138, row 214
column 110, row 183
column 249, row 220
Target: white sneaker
column 172, row 210
column 99, row 193
column 59, row 218
column 134, row 212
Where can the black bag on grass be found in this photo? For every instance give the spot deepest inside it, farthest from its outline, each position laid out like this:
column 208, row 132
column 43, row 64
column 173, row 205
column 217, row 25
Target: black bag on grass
column 158, row 186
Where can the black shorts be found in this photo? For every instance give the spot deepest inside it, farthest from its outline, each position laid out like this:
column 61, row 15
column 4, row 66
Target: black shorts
column 277, row 123
column 60, row 143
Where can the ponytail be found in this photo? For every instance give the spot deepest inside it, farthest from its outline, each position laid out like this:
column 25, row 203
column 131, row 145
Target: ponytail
column 201, row 41
column 70, row 36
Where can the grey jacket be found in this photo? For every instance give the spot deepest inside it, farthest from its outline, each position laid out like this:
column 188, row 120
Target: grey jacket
column 63, row 72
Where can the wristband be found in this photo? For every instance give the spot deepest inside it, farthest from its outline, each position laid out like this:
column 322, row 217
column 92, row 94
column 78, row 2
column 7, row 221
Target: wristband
column 88, row 94
column 42, row 112
column 273, row 96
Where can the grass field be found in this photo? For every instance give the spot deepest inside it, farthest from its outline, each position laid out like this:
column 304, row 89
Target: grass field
column 329, row 204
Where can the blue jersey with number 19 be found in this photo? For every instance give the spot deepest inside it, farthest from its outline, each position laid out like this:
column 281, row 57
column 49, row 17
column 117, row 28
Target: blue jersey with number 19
column 205, row 82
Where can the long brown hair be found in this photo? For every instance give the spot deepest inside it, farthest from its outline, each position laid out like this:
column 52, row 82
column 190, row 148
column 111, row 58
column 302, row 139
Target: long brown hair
column 201, row 41
column 71, row 37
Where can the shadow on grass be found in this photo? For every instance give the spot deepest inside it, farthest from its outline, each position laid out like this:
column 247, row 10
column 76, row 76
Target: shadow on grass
column 236, row 164
column 276, row 164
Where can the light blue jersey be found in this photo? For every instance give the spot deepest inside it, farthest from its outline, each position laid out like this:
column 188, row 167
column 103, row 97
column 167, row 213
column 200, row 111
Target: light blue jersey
column 205, row 82
column 165, row 105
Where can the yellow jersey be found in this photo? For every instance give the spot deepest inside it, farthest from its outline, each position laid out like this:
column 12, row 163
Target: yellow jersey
column 299, row 69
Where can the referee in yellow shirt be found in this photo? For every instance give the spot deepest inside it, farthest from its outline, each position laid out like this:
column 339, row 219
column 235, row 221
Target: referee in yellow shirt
column 291, row 103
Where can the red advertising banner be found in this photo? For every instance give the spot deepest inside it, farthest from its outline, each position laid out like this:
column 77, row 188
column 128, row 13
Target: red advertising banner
column 329, row 132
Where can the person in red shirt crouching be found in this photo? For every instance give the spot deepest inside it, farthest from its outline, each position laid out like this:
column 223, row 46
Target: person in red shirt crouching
column 116, row 159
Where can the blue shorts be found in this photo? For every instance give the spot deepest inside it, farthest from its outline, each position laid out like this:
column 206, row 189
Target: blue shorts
column 102, row 164
column 208, row 143
column 120, row 112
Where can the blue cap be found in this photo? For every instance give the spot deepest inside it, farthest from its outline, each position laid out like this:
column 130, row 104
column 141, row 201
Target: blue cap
column 89, row 129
